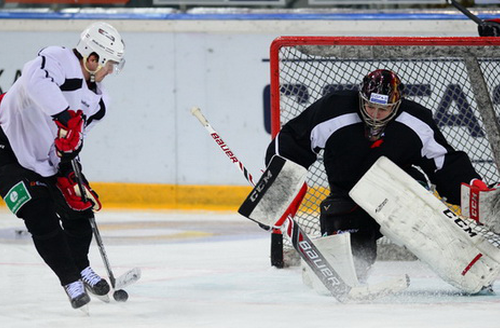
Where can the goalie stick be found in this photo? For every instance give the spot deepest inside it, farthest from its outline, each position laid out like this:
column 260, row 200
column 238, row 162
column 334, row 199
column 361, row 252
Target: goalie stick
column 276, row 236
column 125, row 279
column 311, row 255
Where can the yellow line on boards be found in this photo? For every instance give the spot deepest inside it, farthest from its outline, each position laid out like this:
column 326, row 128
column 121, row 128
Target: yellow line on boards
column 166, row 196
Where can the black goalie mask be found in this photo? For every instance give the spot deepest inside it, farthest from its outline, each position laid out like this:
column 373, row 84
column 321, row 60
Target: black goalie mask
column 380, row 96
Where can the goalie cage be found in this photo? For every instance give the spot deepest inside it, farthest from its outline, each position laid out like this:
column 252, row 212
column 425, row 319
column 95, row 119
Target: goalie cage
column 457, row 78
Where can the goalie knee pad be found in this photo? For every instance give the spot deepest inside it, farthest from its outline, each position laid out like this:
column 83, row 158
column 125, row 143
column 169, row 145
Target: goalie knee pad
column 340, row 215
column 336, row 215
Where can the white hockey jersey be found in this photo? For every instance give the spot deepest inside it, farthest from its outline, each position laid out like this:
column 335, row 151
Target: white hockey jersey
column 49, row 84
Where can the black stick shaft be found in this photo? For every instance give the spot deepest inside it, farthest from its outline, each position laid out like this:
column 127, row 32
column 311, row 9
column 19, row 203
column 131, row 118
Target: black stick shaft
column 93, row 224
column 466, row 12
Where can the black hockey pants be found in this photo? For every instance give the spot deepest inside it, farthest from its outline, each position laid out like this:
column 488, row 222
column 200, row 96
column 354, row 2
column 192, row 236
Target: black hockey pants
column 61, row 239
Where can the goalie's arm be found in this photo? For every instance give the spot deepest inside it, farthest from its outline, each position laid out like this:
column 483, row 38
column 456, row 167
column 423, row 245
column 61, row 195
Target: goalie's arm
column 457, row 169
column 286, row 145
column 294, row 139
column 446, row 167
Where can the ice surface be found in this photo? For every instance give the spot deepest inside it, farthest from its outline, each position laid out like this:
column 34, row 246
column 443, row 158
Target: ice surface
column 206, row 269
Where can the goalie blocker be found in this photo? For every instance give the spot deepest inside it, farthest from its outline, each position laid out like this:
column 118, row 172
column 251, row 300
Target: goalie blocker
column 459, row 250
column 278, row 193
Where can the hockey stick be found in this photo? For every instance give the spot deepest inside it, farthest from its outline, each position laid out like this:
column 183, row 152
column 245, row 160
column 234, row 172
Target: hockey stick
column 127, row 278
column 276, row 236
column 313, row 257
column 466, row 12
column 223, row 146
column 485, row 28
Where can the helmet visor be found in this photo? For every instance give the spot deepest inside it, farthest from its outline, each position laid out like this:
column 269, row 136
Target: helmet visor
column 114, row 67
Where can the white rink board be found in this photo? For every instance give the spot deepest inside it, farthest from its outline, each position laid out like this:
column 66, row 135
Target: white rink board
column 149, row 135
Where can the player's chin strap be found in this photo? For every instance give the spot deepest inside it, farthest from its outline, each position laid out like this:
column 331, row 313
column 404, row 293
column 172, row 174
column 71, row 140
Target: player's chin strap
column 92, row 73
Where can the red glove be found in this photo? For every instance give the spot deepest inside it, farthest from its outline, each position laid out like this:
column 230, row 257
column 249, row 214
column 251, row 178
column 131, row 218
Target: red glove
column 480, row 185
column 69, row 188
column 69, row 140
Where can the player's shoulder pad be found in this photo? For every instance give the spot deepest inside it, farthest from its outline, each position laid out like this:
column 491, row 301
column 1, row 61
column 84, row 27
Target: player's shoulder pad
column 416, row 109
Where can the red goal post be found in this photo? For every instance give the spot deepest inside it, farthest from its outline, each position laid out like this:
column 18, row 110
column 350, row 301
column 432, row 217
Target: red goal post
column 458, row 78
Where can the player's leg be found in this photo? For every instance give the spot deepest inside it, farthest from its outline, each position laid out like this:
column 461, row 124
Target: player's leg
column 27, row 195
column 78, row 233
column 339, row 214
column 460, row 251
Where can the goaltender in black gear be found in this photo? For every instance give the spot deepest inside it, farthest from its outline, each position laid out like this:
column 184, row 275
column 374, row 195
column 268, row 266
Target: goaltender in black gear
column 355, row 128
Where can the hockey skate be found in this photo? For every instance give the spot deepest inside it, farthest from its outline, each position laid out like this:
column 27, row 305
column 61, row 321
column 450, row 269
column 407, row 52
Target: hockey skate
column 77, row 295
column 96, row 285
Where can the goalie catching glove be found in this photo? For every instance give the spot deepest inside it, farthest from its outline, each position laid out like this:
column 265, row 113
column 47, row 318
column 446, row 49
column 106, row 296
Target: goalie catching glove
column 69, row 140
column 68, row 185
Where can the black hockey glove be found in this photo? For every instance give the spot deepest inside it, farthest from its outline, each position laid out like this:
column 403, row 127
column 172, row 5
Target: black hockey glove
column 490, row 27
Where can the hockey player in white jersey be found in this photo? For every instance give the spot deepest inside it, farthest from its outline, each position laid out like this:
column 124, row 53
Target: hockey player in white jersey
column 43, row 118
column 355, row 128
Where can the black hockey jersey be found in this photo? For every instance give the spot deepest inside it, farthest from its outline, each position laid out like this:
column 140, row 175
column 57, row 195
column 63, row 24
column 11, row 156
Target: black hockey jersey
column 334, row 124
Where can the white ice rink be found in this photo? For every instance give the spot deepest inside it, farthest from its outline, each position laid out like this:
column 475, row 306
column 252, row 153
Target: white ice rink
column 212, row 270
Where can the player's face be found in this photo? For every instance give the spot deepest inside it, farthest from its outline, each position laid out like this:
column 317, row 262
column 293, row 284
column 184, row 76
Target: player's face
column 105, row 70
column 92, row 66
column 378, row 112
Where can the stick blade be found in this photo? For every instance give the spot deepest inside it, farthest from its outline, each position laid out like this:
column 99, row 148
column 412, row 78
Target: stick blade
column 380, row 290
column 128, row 278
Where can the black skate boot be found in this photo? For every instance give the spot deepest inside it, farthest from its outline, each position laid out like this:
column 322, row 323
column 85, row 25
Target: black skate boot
column 78, row 297
column 94, row 283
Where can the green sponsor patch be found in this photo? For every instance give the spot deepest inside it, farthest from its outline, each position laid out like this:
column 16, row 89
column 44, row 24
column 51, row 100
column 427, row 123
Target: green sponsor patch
column 17, row 197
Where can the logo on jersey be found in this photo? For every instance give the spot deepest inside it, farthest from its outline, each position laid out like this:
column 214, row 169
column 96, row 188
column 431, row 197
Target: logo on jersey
column 84, row 103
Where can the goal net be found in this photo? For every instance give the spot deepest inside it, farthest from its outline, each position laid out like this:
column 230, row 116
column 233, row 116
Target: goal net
column 457, row 78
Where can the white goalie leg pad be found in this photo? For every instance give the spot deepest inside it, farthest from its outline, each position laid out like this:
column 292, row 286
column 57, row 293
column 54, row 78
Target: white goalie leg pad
column 482, row 206
column 411, row 216
column 337, row 251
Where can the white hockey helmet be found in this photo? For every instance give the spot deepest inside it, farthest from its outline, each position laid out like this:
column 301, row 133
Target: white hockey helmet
column 105, row 41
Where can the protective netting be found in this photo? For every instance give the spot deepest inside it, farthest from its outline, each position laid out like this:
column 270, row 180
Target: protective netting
column 441, row 78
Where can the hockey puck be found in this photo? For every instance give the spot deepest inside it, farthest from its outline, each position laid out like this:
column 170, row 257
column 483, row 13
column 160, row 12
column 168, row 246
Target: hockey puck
column 120, row 295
